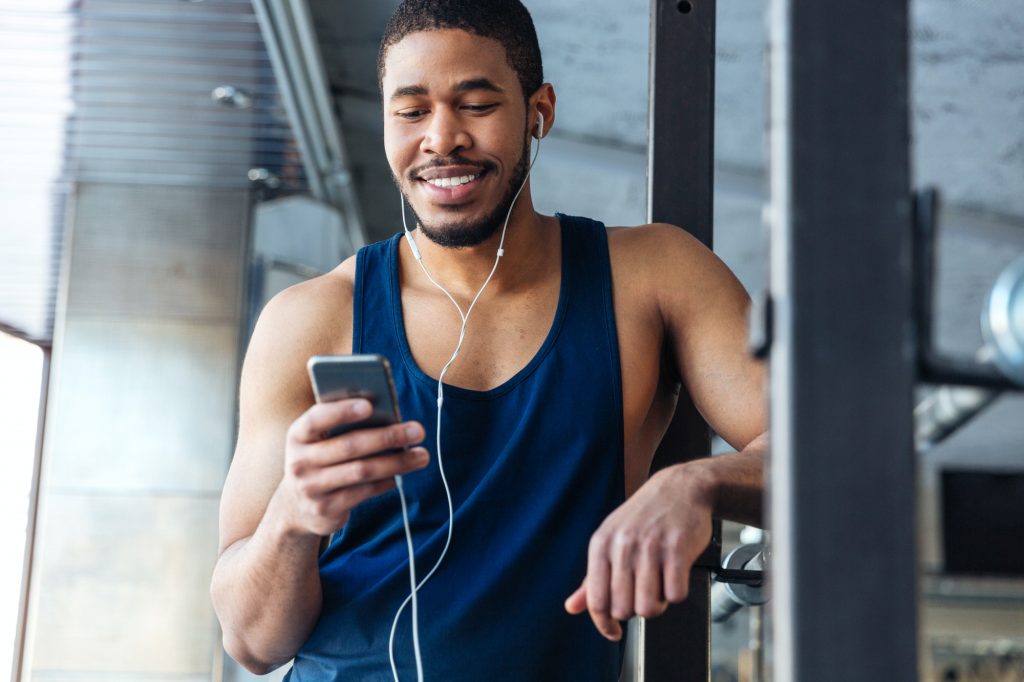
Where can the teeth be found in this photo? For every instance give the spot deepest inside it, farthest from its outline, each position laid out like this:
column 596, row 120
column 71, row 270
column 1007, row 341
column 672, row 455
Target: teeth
column 453, row 182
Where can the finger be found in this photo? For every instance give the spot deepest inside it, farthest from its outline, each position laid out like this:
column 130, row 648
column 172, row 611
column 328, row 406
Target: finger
column 577, row 604
column 333, row 510
column 598, row 588
column 314, row 422
column 622, row 583
column 366, row 470
column 649, row 600
column 598, row 575
column 675, row 576
column 609, row 628
column 347, row 498
column 577, row 601
column 364, row 442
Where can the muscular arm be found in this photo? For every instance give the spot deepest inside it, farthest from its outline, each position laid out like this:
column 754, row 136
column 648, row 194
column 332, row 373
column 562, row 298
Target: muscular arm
column 639, row 560
column 266, row 586
column 288, row 488
column 705, row 317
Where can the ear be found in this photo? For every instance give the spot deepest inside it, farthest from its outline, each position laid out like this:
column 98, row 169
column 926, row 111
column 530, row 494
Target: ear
column 543, row 103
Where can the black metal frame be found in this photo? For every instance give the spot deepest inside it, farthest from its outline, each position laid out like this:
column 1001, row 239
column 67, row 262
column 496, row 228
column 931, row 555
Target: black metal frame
column 843, row 472
column 680, row 182
column 933, row 366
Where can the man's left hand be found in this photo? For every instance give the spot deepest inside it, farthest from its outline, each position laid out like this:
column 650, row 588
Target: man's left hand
column 639, row 559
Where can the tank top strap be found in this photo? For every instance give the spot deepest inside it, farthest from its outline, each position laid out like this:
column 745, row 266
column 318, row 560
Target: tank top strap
column 590, row 290
column 374, row 295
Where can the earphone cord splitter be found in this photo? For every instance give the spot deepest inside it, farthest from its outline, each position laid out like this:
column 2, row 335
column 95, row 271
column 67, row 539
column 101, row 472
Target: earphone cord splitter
column 464, row 316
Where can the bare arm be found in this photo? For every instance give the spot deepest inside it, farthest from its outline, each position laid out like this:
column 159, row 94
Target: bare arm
column 639, row 560
column 287, row 488
column 706, row 322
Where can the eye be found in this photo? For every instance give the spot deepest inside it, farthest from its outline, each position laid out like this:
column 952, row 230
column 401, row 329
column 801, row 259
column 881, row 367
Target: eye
column 411, row 114
column 479, row 108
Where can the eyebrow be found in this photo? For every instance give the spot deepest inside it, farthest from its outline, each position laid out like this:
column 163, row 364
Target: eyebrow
column 478, row 84
column 464, row 86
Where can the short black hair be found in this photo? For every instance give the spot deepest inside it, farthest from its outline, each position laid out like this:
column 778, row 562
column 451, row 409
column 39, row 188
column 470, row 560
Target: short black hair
column 506, row 21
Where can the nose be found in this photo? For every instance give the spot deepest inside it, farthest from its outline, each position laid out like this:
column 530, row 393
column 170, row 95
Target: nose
column 446, row 134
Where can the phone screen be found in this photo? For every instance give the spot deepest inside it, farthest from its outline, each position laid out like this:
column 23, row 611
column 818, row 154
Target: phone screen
column 339, row 377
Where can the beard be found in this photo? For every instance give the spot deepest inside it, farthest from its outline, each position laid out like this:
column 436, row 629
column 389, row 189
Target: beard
column 460, row 234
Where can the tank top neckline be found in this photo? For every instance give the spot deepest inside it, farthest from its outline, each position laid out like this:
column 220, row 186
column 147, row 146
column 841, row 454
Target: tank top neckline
column 395, row 298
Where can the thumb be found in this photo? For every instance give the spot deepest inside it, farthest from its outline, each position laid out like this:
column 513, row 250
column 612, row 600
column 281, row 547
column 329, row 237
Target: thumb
column 577, row 601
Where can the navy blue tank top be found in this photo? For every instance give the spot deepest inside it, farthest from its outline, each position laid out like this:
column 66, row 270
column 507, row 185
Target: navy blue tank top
column 534, row 465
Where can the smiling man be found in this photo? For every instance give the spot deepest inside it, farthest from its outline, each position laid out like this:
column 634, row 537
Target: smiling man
column 563, row 386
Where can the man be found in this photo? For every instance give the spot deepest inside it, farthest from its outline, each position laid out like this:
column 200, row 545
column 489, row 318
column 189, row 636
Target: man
column 564, row 386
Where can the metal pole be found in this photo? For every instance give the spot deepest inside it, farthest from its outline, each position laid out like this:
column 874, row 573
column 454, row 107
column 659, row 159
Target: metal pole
column 287, row 31
column 18, row 671
column 677, row 645
column 842, row 484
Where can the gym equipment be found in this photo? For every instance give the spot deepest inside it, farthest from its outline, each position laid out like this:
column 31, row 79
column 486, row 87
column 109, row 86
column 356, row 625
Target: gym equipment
column 740, row 582
column 1000, row 366
column 968, row 386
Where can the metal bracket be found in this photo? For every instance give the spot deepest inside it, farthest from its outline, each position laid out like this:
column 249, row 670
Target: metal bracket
column 932, row 366
column 737, row 576
column 761, row 319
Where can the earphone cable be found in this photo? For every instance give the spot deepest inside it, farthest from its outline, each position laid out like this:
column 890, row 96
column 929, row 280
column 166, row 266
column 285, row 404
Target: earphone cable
column 440, row 402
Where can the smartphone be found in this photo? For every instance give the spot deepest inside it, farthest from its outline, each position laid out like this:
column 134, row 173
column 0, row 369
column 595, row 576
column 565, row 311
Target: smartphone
column 339, row 377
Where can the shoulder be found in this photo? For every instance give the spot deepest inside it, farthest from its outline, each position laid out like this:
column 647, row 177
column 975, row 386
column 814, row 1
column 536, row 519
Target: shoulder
column 658, row 257
column 658, row 241
column 310, row 318
column 314, row 307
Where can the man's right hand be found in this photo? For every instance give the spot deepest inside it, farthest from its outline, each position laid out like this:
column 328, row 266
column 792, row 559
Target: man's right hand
column 324, row 479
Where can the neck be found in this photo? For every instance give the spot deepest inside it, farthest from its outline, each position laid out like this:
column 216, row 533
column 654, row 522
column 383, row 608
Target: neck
column 463, row 270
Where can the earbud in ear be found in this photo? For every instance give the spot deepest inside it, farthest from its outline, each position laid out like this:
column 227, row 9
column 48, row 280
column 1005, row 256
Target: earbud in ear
column 539, row 133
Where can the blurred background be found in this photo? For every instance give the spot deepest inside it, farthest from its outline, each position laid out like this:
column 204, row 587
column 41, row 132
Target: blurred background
column 168, row 165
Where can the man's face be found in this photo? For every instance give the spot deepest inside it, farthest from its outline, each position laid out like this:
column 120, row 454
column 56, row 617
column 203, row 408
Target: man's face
column 455, row 132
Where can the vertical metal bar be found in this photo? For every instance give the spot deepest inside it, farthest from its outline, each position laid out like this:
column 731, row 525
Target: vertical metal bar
column 28, row 563
column 681, row 118
column 339, row 181
column 677, row 645
column 275, row 43
column 842, row 362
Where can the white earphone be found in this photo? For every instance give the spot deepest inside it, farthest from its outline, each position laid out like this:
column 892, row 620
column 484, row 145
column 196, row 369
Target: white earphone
column 414, row 586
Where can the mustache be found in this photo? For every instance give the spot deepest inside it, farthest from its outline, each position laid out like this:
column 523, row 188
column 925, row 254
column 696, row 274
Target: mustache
column 484, row 166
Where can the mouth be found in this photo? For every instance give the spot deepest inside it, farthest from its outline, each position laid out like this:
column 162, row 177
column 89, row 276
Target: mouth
column 452, row 185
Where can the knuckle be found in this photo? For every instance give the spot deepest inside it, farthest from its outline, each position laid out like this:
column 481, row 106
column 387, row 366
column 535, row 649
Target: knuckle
column 623, row 543
column 304, row 487
column 650, row 544
column 322, row 507
column 303, row 427
column 350, row 409
column 674, row 541
column 624, row 537
column 347, row 448
column 361, row 470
